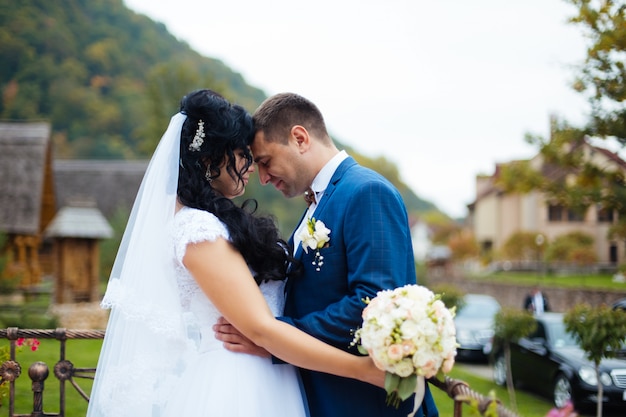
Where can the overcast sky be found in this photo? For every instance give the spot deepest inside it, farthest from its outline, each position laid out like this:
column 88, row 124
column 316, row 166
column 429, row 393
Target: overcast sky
column 445, row 89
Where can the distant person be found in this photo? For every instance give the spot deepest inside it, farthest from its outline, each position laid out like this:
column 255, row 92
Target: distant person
column 536, row 302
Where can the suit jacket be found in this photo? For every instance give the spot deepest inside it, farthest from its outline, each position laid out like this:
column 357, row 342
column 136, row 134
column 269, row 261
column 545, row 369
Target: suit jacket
column 370, row 250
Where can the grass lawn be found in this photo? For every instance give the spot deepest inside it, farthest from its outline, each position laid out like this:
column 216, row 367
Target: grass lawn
column 528, row 405
column 82, row 354
column 546, row 280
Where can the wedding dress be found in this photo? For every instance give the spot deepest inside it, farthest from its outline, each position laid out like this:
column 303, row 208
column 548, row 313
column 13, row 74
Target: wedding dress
column 159, row 357
column 216, row 382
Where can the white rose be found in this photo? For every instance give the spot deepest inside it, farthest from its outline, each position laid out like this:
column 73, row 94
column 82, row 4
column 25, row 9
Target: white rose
column 308, row 241
column 418, row 312
column 409, row 329
column 321, row 234
column 404, row 368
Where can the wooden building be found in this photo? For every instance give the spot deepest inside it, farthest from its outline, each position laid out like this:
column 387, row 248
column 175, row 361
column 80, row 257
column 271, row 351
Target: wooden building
column 76, row 231
column 34, row 188
column 27, row 200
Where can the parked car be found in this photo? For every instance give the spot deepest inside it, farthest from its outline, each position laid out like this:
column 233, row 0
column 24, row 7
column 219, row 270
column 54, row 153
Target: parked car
column 551, row 363
column 474, row 326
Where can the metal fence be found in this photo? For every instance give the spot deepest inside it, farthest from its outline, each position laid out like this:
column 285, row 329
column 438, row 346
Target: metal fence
column 457, row 390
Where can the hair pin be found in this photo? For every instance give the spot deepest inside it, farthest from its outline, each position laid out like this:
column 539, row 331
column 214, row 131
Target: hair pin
column 198, row 139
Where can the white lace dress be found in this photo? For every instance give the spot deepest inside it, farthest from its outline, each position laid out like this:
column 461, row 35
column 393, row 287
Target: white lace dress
column 216, row 382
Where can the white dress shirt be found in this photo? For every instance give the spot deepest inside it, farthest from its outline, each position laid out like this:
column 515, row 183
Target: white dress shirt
column 319, row 185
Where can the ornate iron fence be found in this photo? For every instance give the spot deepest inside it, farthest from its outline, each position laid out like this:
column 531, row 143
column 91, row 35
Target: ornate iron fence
column 457, row 390
column 38, row 372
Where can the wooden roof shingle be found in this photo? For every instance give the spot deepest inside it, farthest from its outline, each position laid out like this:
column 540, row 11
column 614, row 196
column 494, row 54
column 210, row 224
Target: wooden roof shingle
column 81, row 219
column 112, row 184
column 24, row 147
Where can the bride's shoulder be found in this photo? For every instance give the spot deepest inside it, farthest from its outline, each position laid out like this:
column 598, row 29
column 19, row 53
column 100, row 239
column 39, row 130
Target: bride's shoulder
column 187, row 213
column 198, row 222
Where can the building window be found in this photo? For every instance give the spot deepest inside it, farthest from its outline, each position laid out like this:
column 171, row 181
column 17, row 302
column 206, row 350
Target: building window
column 613, row 253
column 575, row 216
column 604, row 215
column 486, row 247
column 558, row 213
column 555, row 213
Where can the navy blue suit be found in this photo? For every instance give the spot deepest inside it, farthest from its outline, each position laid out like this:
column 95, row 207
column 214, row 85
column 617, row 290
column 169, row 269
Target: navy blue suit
column 369, row 250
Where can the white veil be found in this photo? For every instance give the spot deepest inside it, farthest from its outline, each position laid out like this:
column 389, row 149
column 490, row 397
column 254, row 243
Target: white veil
column 145, row 340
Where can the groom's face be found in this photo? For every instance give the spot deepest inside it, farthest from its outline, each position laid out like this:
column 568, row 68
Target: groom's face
column 278, row 164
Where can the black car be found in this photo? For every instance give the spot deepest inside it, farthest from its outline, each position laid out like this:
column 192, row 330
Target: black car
column 474, row 326
column 551, row 363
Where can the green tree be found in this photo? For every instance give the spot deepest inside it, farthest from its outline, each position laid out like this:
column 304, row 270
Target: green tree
column 603, row 76
column 569, row 176
column 167, row 83
column 600, row 332
column 509, row 326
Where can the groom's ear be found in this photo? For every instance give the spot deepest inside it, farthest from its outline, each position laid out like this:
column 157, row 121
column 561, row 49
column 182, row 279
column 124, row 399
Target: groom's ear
column 301, row 137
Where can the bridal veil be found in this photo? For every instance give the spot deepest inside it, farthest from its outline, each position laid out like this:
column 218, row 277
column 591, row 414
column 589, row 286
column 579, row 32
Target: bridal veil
column 145, row 342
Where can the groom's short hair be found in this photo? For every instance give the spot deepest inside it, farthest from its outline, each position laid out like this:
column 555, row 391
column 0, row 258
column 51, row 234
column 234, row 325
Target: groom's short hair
column 278, row 114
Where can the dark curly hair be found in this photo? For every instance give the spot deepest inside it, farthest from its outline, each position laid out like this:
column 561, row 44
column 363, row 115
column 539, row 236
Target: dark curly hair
column 228, row 130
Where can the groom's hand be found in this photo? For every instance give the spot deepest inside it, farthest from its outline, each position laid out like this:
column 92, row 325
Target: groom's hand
column 234, row 341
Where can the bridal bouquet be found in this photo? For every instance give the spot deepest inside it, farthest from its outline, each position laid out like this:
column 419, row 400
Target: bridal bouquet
column 410, row 334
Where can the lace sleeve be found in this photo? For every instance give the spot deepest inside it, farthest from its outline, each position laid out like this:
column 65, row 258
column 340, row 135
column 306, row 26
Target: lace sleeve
column 193, row 226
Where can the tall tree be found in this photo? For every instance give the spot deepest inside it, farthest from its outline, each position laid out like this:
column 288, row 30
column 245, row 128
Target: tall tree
column 603, row 75
column 568, row 175
column 600, row 332
column 510, row 325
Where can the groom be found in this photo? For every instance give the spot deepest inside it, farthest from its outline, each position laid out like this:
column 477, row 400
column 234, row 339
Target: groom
column 369, row 248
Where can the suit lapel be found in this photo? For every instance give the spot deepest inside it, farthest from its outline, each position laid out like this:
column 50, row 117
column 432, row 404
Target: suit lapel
column 319, row 211
column 332, row 185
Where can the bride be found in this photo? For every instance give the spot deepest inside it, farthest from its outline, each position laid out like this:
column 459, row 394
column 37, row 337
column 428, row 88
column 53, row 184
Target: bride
column 188, row 256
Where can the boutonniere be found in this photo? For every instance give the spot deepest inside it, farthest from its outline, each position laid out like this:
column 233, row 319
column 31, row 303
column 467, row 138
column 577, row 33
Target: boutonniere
column 315, row 236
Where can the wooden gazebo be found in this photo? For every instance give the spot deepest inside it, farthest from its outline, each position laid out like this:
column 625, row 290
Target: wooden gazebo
column 76, row 231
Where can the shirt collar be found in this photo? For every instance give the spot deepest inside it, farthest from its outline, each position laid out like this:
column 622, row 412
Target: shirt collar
column 320, row 183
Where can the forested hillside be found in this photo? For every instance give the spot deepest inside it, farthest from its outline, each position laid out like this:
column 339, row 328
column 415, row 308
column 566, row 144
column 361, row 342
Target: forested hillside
column 108, row 80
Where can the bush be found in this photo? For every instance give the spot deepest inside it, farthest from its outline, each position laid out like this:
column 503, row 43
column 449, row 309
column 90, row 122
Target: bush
column 522, row 246
column 451, row 295
column 571, row 247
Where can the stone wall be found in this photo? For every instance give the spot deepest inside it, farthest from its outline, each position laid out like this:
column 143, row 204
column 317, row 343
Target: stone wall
column 512, row 295
column 84, row 316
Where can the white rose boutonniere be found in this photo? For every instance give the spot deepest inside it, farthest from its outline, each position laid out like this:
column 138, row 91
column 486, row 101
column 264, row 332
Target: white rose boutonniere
column 315, row 236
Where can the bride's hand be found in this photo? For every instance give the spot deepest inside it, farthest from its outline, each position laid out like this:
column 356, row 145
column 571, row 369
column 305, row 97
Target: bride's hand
column 371, row 373
column 234, row 341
